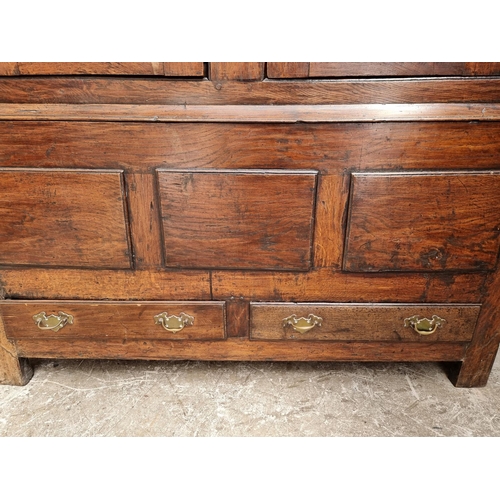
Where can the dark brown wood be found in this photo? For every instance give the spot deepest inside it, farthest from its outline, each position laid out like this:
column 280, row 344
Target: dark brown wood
column 113, row 320
column 242, row 350
column 118, row 90
column 248, row 71
column 237, row 219
column 237, row 314
column 13, row 370
column 39, row 283
column 144, row 221
column 327, row 113
column 358, row 322
column 63, row 218
column 327, row 285
column 363, row 69
column 287, row 69
column 328, row 148
column 475, row 370
column 436, row 221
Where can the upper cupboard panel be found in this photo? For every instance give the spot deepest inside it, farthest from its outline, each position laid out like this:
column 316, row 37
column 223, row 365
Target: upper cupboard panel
column 379, row 69
column 176, row 69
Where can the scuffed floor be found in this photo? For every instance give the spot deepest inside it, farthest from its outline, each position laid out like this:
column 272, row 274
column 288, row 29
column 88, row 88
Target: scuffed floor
column 118, row 398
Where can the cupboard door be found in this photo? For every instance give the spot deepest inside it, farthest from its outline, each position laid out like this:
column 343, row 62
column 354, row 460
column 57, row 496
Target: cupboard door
column 104, row 68
column 236, row 219
column 63, row 218
column 396, row 69
column 423, row 222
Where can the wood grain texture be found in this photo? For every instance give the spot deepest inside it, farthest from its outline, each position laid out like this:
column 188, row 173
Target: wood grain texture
column 243, row 350
column 87, row 284
column 144, row 221
column 358, row 322
column 364, row 69
column 63, row 218
column 244, row 71
column 287, row 69
column 331, row 208
column 237, row 314
column 118, row 90
column 328, row 148
column 414, row 221
column 113, row 320
column 326, row 285
column 9, row 69
column 326, row 113
column 13, row 370
column 184, row 69
column 237, row 219
column 480, row 355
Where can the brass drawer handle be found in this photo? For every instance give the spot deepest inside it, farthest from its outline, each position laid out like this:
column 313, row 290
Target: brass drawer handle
column 302, row 325
column 425, row 326
column 53, row 322
column 173, row 323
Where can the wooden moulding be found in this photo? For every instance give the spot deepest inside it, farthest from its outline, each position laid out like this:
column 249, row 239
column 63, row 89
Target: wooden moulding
column 162, row 91
column 235, row 349
column 329, row 148
column 324, row 113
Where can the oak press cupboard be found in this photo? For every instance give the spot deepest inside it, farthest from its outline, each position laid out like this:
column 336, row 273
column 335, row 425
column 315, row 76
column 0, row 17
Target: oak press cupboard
column 250, row 211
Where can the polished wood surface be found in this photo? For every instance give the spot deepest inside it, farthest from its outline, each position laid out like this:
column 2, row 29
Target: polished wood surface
column 292, row 113
column 232, row 187
column 112, row 320
column 237, row 219
column 162, row 91
column 362, row 322
column 63, row 218
column 102, row 68
column 328, row 69
column 236, row 349
column 416, row 222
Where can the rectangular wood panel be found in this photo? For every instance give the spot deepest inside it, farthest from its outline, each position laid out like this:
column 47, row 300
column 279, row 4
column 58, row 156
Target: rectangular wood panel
column 237, row 219
column 340, row 322
column 61, row 218
column 416, row 222
column 243, row 71
column 113, row 320
column 367, row 69
column 174, row 69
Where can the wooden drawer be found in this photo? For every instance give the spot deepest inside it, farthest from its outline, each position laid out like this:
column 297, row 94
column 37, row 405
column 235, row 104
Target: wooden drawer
column 237, row 219
column 439, row 221
column 113, row 320
column 371, row 322
column 63, row 218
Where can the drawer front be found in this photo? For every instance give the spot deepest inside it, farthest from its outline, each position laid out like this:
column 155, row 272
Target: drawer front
column 63, row 218
column 237, row 219
column 374, row 322
column 113, row 320
column 423, row 222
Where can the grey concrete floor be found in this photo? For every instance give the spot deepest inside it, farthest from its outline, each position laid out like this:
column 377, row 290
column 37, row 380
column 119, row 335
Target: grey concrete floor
column 134, row 398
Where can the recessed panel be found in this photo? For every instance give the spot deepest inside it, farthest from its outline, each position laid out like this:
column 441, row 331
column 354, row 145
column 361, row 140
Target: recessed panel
column 237, row 219
column 63, row 218
column 423, row 222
